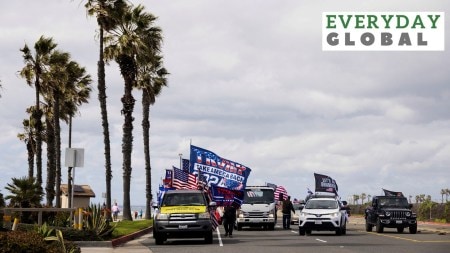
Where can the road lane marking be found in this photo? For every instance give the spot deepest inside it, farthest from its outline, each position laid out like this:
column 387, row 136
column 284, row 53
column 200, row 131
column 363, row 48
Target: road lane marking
column 218, row 236
column 407, row 239
column 317, row 239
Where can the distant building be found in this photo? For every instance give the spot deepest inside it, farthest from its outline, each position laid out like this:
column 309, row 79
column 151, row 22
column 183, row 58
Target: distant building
column 82, row 195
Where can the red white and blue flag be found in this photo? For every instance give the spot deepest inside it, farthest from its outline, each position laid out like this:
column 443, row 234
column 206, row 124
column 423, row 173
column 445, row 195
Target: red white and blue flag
column 280, row 190
column 183, row 180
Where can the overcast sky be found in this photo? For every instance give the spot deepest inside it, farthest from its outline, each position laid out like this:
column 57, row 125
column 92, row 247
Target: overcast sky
column 250, row 82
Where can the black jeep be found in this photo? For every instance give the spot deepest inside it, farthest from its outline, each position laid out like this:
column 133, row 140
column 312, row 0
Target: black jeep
column 390, row 212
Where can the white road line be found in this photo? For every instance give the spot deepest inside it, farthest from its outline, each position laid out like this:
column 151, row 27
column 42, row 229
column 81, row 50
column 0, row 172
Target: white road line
column 218, row 236
column 320, row 240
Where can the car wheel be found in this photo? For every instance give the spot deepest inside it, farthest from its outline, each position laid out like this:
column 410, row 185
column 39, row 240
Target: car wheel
column 413, row 229
column 379, row 226
column 271, row 226
column 209, row 237
column 159, row 238
column 368, row 227
column 301, row 231
column 239, row 227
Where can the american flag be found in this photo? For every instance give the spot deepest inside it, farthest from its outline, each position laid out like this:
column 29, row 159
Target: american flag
column 278, row 190
column 183, row 179
column 186, row 165
column 214, row 219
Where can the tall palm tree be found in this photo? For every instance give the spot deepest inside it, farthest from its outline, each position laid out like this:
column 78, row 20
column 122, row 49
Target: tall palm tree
column 151, row 80
column 35, row 66
column 60, row 90
column 125, row 43
column 105, row 11
column 77, row 91
column 28, row 137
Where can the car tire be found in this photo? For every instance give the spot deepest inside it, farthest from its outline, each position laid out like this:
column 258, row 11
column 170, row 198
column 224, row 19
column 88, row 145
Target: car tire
column 379, row 226
column 413, row 229
column 209, row 237
column 159, row 238
column 301, row 231
column 368, row 227
column 239, row 227
column 271, row 226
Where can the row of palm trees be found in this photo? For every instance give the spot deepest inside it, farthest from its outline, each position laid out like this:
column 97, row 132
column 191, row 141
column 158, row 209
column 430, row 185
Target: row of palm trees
column 129, row 37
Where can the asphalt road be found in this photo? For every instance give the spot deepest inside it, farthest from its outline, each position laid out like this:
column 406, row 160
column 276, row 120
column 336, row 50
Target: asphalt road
column 430, row 238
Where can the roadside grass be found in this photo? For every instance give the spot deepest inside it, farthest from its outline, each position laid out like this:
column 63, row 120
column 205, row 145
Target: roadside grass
column 129, row 227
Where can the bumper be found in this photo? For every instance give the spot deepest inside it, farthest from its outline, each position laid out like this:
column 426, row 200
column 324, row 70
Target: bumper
column 190, row 229
column 390, row 223
column 318, row 225
column 254, row 221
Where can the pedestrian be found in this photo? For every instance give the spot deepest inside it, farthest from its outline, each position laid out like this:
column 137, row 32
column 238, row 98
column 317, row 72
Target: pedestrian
column 228, row 220
column 287, row 208
column 115, row 210
column 140, row 214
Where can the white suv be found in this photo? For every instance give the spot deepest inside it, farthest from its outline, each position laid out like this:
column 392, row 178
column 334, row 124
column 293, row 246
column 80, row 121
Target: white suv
column 323, row 214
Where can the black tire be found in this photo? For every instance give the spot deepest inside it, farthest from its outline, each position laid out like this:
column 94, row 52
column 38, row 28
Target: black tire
column 339, row 231
column 271, row 226
column 400, row 230
column 209, row 237
column 413, row 229
column 239, row 227
column 379, row 226
column 308, row 232
column 368, row 227
column 159, row 238
column 301, row 231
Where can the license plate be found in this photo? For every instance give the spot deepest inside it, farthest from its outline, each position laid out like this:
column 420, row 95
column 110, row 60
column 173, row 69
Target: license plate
column 318, row 222
column 398, row 222
column 182, row 226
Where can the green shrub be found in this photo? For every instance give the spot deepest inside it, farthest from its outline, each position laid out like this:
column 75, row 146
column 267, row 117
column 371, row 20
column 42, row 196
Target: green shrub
column 30, row 241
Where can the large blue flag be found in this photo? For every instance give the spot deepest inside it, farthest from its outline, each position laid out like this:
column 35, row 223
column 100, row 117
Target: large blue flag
column 218, row 171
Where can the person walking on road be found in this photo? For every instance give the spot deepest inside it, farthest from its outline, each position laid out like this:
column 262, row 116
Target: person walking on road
column 229, row 218
column 287, row 208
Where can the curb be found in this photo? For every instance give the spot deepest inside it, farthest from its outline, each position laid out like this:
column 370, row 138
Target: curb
column 114, row 242
column 126, row 238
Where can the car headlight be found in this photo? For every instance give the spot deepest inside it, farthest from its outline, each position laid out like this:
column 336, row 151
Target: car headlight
column 333, row 215
column 205, row 215
column 387, row 214
column 304, row 214
column 162, row 216
column 408, row 214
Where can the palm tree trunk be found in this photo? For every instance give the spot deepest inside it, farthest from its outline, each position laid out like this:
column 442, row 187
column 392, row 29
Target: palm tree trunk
column 57, row 135
column 30, row 151
column 50, row 187
column 102, row 98
column 146, row 135
column 127, row 68
column 38, row 124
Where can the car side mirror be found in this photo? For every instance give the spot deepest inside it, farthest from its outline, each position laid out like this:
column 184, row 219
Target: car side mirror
column 155, row 205
column 212, row 204
column 301, row 207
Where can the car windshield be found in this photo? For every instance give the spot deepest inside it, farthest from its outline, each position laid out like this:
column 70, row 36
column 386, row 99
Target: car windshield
column 258, row 196
column 321, row 204
column 394, row 202
column 184, row 199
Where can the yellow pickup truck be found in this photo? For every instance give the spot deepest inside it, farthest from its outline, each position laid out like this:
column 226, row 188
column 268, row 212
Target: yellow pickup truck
column 183, row 214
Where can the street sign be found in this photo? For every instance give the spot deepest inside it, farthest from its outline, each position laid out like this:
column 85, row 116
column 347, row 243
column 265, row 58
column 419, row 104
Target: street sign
column 74, row 157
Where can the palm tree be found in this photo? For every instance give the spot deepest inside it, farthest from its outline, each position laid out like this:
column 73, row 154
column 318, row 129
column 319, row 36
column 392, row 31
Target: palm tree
column 133, row 37
column 25, row 192
column 363, row 197
column 28, row 137
column 35, row 66
column 59, row 87
column 443, row 192
column 105, row 11
column 77, row 91
column 355, row 199
column 151, row 80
